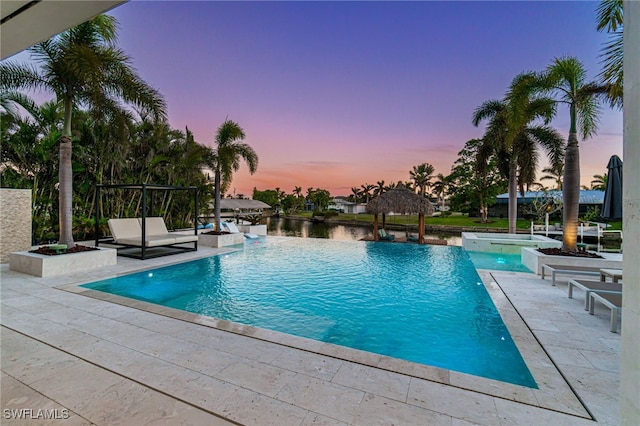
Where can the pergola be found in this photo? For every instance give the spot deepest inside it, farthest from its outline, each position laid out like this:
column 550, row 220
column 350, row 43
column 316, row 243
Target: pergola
column 146, row 210
column 400, row 200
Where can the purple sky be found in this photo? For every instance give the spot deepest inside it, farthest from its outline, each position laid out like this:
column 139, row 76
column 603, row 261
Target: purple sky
column 335, row 95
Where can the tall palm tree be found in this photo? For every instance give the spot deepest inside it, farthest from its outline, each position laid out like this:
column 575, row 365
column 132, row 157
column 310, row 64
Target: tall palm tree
column 225, row 158
column 611, row 19
column 421, row 176
column 566, row 79
column 512, row 137
column 81, row 66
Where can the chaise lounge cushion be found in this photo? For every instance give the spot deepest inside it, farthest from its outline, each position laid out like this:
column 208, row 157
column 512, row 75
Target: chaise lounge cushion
column 125, row 229
column 155, row 227
column 150, row 241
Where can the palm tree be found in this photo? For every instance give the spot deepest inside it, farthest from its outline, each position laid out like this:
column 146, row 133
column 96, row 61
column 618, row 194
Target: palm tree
column 380, row 188
column 355, row 194
column 513, row 139
column 366, row 191
column 599, row 182
column 225, row 158
column 421, row 176
column 565, row 78
column 440, row 187
column 611, row 18
column 554, row 173
column 297, row 191
column 81, row 66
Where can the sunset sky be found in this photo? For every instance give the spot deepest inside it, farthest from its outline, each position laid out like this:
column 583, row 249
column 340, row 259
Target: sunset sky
column 338, row 94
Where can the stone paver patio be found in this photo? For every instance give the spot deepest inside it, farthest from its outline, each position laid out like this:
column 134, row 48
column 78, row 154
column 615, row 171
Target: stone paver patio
column 101, row 359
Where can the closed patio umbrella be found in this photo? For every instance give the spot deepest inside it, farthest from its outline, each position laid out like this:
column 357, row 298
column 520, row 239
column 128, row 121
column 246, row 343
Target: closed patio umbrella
column 612, row 205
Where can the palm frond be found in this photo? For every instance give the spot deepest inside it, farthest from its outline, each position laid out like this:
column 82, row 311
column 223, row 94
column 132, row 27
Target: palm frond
column 15, row 76
column 486, row 110
column 551, row 141
column 612, row 73
column 610, row 15
column 588, row 116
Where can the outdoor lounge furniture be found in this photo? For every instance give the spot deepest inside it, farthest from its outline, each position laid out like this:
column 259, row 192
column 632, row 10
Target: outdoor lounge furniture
column 614, row 274
column 156, row 227
column 568, row 270
column 611, row 301
column 593, row 287
column 233, row 229
column 383, row 236
column 128, row 233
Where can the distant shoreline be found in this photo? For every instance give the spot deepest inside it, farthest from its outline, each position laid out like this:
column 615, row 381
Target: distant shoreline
column 445, row 229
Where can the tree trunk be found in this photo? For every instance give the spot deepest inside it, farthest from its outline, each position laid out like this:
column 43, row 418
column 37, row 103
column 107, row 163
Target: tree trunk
column 65, row 179
column 217, row 199
column 66, row 193
column 513, row 196
column 571, row 194
column 484, row 213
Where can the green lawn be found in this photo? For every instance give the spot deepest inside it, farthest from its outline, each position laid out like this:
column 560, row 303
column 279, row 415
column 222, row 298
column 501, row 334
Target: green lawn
column 455, row 220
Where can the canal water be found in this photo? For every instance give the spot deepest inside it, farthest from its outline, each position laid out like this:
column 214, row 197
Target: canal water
column 306, row 229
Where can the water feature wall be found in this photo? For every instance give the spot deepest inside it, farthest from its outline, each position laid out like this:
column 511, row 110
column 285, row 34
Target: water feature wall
column 505, row 243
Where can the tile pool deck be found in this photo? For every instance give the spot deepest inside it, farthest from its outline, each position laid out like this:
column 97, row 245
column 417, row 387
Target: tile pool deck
column 104, row 362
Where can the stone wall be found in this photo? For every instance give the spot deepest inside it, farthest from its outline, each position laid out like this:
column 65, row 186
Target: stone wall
column 15, row 221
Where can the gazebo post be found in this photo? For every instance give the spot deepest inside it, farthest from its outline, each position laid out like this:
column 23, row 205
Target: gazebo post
column 375, row 227
column 420, row 227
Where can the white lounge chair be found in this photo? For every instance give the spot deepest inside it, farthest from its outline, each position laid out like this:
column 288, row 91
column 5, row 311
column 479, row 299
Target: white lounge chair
column 128, row 233
column 156, row 227
column 232, row 228
column 568, row 270
column 611, row 301
column 593, row 287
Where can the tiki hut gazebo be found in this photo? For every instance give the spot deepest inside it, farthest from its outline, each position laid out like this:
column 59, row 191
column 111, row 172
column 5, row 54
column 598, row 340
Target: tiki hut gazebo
column 400, row 200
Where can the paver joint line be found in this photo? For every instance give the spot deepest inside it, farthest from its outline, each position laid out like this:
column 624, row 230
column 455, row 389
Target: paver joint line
column 546, row 352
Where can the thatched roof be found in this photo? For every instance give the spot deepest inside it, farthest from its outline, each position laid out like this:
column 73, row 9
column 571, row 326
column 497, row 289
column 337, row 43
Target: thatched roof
column 400, row 200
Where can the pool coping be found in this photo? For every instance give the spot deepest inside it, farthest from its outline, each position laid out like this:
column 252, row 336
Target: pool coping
column 554, row 391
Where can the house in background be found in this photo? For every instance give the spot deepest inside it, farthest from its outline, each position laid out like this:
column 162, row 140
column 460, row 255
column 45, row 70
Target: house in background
column 341, row 204
column 588, row 200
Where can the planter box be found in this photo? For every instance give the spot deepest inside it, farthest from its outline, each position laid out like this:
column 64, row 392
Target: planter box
column 253, row 229
column 209, row 240
column 47, row 266
column 533, row 259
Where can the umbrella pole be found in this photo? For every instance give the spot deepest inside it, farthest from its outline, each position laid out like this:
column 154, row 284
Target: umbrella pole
column 420, row 227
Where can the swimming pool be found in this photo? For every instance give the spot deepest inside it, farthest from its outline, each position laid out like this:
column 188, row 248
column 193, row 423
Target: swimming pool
column 424, row 304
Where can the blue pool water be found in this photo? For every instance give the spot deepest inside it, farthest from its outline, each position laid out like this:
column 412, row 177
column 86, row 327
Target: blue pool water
column 420, row 303
column 497, row 261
